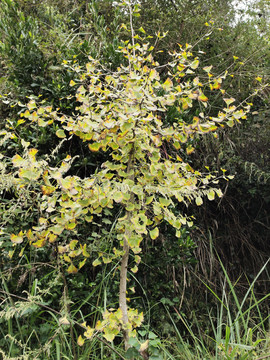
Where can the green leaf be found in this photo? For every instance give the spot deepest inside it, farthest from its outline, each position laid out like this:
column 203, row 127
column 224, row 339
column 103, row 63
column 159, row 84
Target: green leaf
column 149, row 199
column 155, row 156
column 60, row 133
column 70, row 225
column 230, row 123
column 199, row 201
column 128, row 125
column 130, row 206
column 106, row 260
column 57, row 229
column 134, row 241
column 211, row 195
column 73, row 244
column 164, row 202
column 208, row 68
column 117, row 196
column 30, row 175
column 229, row 101
column 194, row 64
column 109, row 333
column 132, row 353
column 141, row 29
column 94, row 146
column 154, row 233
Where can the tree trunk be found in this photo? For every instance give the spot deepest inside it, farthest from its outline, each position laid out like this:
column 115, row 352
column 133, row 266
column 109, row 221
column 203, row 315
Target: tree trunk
column 123, row 285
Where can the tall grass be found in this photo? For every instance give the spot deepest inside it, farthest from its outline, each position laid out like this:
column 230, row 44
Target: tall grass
column 239, row 327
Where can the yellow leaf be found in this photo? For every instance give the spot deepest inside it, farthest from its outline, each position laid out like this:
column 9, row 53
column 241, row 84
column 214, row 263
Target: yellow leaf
column 141, row 29
column 81, row 264
column 19, row 122
column 47, row 190
column 62, row 249
column 31, row 105
column 10, row 253
column 202, row 98
column 144, row 346
column 17, row 239
column 130, row 207
column 190, row 149
column 99, row 325
column 84, row 251
column 18, row 161
column 72, row 269
column 67, row 259
column 153, row 74
column 39, row 243
column 168, row 84
column 89, row 332
column 106, row 260
column 134, row 269
column 96, row 262
column 80, row 341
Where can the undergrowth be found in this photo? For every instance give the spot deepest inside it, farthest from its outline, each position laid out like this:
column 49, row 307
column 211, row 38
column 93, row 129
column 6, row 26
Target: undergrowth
column 32, row 327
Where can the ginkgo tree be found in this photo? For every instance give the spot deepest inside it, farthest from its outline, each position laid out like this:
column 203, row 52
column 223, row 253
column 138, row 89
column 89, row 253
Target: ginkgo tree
column 123, row 113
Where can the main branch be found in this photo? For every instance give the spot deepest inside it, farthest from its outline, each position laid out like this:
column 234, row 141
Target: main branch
column 123, row 285
column 124, row 263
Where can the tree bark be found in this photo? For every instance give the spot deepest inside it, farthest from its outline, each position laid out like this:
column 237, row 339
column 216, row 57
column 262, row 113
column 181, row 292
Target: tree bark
column 123, row 285
column 124, row 264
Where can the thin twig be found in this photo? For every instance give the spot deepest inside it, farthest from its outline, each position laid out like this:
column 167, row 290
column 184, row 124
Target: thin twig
column 264, row 357
column 131, row 28
column 34, row 302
